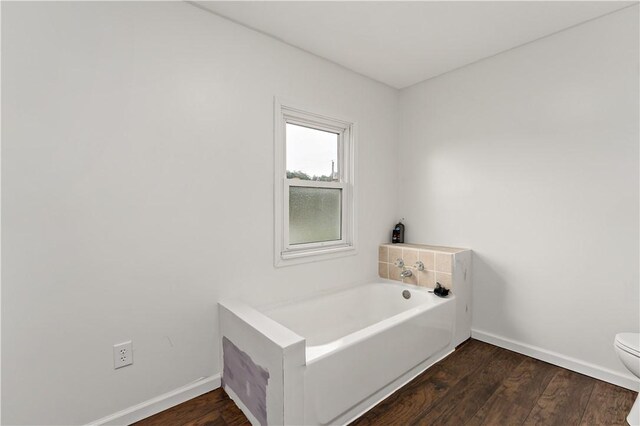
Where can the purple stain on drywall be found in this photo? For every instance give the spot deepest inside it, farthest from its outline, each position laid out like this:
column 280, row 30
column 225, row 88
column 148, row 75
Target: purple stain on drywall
column 247, row 379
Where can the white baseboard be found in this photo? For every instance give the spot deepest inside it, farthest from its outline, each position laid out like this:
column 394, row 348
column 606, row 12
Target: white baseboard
column 573, row 364
column 207, row 384
column 161, row 403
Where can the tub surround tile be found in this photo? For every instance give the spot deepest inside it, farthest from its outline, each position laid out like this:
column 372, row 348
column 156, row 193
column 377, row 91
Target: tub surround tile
column 383, row 270
column 394, row 273
column 438, row 263
column 394, row 253
column 410, row 257
column 383, row 254
column 444, row 280
column 428, row 259
column 427, row 279
column 443, row 262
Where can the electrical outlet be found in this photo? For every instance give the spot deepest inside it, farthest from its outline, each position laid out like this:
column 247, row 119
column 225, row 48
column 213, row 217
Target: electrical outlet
column 122, row 354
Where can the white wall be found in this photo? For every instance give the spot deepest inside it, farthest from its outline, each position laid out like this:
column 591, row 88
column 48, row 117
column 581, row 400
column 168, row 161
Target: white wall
column 530, row 158
column 137, row 191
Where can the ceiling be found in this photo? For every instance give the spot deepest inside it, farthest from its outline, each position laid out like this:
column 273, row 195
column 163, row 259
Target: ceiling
column 401, row 43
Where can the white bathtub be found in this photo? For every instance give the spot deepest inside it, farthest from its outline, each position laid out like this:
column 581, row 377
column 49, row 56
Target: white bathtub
column 332, row 357
column 363, row 342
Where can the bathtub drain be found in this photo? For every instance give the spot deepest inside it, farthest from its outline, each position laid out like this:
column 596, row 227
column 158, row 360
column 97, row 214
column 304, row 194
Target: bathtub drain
column 406, row 294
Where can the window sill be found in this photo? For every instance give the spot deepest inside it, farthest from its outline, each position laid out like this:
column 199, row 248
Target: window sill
column 314, row 255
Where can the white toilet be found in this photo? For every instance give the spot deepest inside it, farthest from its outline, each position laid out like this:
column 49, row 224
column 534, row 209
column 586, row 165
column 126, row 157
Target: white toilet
column 628, row 349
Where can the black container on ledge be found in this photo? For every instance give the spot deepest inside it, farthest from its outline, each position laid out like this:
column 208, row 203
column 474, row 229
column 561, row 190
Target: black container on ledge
column 397, row 236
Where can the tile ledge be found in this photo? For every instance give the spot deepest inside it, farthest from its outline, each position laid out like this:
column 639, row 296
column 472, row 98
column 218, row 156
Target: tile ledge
column 441, row 249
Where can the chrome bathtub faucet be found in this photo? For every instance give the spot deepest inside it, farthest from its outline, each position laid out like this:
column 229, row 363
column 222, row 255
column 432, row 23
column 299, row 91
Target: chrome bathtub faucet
column 406, row 273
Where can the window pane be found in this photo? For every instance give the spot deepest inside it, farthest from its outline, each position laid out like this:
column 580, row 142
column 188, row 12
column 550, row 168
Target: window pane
column 314, row 214
column 312, row 154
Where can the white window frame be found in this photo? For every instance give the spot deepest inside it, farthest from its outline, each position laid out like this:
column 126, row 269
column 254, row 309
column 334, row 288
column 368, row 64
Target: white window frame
column 285, row 253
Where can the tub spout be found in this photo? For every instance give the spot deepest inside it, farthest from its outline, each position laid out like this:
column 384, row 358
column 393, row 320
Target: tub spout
column 406, row 273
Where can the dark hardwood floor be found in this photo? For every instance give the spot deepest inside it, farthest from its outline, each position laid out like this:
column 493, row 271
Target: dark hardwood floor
column 478, row 384
column 213, row 408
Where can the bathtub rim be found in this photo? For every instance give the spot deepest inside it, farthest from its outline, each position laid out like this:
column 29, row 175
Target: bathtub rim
column 266, row 307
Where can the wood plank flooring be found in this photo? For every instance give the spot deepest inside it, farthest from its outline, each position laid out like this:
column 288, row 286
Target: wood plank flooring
column 478, row 384
column 213, row 408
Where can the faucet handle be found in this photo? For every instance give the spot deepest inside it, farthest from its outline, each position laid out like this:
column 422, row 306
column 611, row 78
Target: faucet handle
column 399, row 263
column 419, row 266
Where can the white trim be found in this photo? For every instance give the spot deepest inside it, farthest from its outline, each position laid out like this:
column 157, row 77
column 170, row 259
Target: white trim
column 284, row 253
column 315, row 184
column 161, row 403
column 620, row 379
